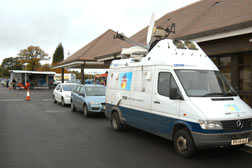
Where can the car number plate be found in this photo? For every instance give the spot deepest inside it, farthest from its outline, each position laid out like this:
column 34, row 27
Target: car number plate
column 239, row 141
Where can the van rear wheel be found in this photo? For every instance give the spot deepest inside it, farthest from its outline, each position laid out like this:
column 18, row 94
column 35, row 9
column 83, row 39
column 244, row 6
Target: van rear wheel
column 184, row 144
column 116, row 122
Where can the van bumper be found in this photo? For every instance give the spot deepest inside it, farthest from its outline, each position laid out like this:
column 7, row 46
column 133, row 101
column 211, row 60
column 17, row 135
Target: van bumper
column 213, row 140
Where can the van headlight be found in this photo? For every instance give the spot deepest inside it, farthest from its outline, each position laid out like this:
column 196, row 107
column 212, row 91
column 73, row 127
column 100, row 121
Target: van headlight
column 210, row 125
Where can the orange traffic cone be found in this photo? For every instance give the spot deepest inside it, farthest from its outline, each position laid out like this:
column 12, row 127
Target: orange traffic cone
column 28, row 95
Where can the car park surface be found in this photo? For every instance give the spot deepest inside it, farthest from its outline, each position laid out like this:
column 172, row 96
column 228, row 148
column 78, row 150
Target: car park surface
column 39, row 133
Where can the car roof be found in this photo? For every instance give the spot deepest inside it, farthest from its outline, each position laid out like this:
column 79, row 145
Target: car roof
column 91, row 85
column 69, row 83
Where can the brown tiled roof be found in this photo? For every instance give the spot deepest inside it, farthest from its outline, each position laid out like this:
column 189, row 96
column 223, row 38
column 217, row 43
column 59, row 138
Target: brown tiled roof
column 201, row 18
column 95, row 48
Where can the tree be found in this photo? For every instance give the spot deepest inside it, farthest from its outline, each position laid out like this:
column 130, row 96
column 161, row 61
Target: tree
column 1, row 70
column 32, row 56
column 58, row 55
column 45, row 67
column 11, row 63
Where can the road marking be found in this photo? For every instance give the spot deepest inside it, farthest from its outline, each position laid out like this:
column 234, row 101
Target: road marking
column 11, row 100
column 249, row 144
column 248, row 151
column 47, row 100
column 54, row 111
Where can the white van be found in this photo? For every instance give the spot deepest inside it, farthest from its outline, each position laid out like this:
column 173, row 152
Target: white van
column 178, row 93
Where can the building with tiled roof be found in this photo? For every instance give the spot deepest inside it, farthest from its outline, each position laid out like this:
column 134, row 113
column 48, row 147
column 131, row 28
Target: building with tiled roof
column 223, row 29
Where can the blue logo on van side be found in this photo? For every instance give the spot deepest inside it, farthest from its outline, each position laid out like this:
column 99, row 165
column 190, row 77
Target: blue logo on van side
column 178, row 65
column 125, row 80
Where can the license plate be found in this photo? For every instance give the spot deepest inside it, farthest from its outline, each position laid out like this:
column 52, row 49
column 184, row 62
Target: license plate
column 239, row 141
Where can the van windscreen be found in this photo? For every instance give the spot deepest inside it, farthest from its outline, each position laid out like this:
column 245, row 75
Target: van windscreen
column 205, row 83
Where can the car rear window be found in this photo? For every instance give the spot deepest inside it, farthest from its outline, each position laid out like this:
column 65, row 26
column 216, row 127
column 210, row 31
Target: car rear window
column 68, row 87
column 95, row 91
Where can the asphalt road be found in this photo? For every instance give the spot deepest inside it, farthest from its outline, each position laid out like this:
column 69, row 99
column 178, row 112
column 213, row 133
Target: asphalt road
column 41, row 134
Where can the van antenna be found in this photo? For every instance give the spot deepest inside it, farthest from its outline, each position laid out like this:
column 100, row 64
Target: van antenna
column 170, row 29
column 122, row 37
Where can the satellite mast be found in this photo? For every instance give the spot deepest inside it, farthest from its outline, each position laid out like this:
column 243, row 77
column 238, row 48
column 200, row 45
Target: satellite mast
column 154, row 35
column 121, row 36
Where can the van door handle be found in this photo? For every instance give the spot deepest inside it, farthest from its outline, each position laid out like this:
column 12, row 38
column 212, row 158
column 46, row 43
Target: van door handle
column 158, row 102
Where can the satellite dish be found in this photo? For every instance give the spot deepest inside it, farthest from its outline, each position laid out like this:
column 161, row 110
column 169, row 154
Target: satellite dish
column 150, row 30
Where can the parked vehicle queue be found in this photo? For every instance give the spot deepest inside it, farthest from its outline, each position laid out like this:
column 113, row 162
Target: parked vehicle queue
column 89, row 98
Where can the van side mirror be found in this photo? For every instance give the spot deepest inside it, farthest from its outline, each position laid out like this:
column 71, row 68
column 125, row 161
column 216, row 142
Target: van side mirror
column 175, row 95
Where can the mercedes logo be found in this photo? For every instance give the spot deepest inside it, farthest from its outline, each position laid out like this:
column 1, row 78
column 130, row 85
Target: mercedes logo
column 239, row 124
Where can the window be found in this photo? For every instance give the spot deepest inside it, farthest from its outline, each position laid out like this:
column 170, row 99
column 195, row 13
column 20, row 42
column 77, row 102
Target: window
column 245, row 72
column 245, row 78
column 241, row 66
column 59, row 87
column 179, row 44
column 95, row 91
column 225, row 67
column 165, row 83
column 75, row 88
column 78, row 89
column 81, row 90
column 204, row 83
column 68, row 87
column 215, row 60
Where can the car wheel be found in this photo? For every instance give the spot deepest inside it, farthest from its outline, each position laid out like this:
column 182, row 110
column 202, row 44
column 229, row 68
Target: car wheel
column 85, row 111
column 72, row 106
column 184, row 144
column 116, row 123
column 63, row 102
column 54, row 100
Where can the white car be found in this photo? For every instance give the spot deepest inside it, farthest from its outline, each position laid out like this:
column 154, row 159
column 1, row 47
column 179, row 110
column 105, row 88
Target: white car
column 62, row 93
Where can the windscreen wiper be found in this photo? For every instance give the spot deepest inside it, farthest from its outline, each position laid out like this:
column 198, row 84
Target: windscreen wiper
column 229, row 94
column 213, row 94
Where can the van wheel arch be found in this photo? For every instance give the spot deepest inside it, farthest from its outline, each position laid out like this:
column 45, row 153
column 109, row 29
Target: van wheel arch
column 177, row 127
column 183, row 141
column 117, row 109
column 116, row 121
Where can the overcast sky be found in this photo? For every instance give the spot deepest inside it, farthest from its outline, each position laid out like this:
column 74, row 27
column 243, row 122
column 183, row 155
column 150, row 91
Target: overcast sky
column 74, row 23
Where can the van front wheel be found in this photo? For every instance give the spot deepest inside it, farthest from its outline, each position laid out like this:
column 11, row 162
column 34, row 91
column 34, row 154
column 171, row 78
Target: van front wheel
column 184, row 144
column 116, row 123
